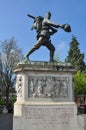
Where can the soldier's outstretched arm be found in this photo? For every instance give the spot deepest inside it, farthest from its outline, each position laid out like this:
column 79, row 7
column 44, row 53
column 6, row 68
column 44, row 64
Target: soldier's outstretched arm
column 65, row 27
column 52, row 24
column 53, row 30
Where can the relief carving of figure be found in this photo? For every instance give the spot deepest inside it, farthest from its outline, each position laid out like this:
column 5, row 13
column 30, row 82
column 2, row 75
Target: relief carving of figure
column 48, row 87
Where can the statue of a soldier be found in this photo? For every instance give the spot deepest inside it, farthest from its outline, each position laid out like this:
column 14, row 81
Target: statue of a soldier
column 45, row 28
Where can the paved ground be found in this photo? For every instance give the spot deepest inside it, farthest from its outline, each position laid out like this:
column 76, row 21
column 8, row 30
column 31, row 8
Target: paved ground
column 6, row 121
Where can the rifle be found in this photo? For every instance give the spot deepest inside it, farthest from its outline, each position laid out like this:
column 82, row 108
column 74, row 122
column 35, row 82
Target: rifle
column 31, row 16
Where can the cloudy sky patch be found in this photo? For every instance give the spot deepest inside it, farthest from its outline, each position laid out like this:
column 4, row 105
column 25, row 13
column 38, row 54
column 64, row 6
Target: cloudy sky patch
column 62, row 50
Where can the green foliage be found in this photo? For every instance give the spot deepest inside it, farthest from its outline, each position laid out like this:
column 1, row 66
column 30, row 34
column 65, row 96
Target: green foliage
column 80, row 83
column 76, row 58
column 13, row 99
column 2, row 102
column 74, row 55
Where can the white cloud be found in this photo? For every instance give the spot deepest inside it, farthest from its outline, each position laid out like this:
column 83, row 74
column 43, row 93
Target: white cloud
column 62, row 50
column 61, row 46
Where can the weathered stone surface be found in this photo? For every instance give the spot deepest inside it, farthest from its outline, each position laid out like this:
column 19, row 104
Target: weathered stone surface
column 43, row 80
column 45, row 97
column 56, row 116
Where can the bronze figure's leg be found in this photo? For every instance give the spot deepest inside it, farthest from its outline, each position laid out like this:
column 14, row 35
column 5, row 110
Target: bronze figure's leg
column 35, row 47
column 51, row 47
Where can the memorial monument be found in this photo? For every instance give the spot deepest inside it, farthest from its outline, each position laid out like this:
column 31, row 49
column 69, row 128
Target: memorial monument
column 45, row 97
column 45, row 28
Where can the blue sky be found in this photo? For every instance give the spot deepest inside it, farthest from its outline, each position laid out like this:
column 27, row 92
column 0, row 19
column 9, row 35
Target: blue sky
column 15, row 23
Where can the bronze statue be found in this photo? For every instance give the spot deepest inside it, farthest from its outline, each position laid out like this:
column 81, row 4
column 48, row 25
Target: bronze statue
column 45, row 28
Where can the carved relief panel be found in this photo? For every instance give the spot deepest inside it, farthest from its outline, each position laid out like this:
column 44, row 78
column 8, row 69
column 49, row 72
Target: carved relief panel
column 48, row 86
column 19, row 86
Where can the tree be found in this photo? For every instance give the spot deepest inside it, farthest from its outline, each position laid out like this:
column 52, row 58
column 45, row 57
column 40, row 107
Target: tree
column 75, row 57
column 80, row 83
column 10, row 54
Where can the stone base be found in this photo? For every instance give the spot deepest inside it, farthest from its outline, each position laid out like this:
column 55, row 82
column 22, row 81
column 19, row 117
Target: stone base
column 45, row 97
column 47, row 116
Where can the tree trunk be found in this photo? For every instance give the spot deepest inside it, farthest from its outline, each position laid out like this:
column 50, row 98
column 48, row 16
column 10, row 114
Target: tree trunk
column 7, row 95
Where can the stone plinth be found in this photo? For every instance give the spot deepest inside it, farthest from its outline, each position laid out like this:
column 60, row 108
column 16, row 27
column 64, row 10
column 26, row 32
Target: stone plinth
column 45, row 97
column 44, row 81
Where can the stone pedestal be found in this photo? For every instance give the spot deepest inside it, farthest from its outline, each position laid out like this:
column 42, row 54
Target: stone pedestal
column 45, row 97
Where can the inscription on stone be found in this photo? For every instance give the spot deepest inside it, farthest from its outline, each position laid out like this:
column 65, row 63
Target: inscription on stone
column 49, row 116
